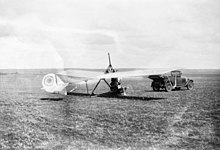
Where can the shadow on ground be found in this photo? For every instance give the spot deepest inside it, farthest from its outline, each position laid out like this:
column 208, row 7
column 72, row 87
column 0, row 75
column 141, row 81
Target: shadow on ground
column 111, row 95
column 165, row 90
column 51, row 99
column 78, row 94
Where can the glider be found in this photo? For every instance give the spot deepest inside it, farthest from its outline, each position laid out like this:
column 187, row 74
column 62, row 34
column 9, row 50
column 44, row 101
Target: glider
column 57, row 83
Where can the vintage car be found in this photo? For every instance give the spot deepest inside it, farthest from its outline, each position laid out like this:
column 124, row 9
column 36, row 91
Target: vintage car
column 171, row 81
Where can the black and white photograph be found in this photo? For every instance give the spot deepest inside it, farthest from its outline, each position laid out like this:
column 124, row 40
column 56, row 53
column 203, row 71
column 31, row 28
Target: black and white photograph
column 110, row 74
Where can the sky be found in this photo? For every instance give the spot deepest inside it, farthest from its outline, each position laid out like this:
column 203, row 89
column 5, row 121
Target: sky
column 137, row 33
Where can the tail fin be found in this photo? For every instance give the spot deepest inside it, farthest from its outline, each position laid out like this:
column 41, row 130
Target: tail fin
column 109, row 60
column 110, row 69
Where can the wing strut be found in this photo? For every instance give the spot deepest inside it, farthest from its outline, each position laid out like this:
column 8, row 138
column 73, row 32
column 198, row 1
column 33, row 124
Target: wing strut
column 87, row 89
column 97, row 86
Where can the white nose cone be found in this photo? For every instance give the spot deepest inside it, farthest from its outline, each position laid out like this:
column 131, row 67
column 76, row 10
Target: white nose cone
column 49, row 82
column 53, row 84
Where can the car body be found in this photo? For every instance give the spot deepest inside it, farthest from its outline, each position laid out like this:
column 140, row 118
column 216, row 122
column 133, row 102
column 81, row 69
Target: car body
column 174, row 80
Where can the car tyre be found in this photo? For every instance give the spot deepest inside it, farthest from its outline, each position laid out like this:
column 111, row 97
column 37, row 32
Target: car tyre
column 156, row 88
column 168, row 86
column 190, row 85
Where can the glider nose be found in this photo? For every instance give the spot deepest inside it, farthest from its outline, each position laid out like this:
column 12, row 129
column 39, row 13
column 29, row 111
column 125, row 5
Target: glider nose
column 53, row 84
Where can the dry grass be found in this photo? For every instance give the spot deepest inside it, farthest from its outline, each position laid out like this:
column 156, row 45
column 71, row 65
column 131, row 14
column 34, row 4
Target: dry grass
column 145, row 120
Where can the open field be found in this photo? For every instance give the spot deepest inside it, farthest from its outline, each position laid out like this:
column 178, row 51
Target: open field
column 31, row 118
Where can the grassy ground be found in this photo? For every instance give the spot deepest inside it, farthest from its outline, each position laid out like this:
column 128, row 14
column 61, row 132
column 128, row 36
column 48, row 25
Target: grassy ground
column 31, row 118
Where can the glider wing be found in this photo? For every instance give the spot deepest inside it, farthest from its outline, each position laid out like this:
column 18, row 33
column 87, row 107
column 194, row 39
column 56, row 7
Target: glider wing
column 78, row 76
column 136, row 73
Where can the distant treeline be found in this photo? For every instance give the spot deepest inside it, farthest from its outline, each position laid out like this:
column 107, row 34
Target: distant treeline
column 55, row 70
column 4, row 73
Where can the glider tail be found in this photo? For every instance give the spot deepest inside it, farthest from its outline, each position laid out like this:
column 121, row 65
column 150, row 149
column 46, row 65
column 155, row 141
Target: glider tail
column 109, row 60
column 110, row 69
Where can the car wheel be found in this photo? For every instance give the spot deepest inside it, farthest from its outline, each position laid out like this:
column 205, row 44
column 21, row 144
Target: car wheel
column 168, row 87
column 156, row 88
column 190, row 85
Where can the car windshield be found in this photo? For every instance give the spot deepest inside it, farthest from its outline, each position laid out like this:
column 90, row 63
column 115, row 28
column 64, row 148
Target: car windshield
column 176, row 73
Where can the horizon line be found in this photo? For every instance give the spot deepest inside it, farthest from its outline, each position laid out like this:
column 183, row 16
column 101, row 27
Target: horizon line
column 105, row 68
